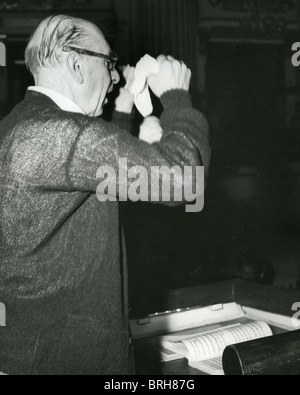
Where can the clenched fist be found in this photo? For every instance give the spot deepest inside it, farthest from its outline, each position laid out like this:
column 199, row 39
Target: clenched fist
column 173, row 74
column 125, row 100
column 150, row 131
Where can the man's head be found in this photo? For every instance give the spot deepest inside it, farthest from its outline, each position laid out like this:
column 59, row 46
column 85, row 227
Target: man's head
column 84, row 79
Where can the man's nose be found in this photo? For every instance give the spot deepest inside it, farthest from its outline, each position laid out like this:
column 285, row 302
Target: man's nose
column 115, row 77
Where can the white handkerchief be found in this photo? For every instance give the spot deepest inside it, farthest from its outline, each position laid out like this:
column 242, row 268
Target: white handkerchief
column 140, row 89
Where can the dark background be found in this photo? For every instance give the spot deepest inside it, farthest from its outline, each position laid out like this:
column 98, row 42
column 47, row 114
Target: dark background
column 243, row 80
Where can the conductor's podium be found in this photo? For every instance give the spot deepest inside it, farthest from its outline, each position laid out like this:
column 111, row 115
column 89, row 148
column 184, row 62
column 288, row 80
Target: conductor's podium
column 186, row 310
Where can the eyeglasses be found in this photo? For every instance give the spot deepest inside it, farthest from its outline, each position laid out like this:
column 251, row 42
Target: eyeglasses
column 111, row 59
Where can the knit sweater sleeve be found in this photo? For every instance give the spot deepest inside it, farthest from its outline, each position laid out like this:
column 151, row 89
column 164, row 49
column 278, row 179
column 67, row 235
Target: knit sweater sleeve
column 74, row 154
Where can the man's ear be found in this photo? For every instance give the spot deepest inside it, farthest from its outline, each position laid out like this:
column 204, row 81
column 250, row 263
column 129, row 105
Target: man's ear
column 75, row 67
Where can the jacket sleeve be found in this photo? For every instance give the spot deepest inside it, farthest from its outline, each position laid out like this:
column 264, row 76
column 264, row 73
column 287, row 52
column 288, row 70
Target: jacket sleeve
column 185, row 143
column 123, row 121
column 78, row 155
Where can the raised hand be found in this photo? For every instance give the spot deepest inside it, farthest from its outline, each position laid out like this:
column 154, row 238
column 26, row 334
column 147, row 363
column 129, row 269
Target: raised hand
column 173, row 74
column 125, row 100
column 150, row 131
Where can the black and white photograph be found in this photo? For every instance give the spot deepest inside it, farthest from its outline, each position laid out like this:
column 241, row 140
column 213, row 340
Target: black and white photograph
column 150, row 190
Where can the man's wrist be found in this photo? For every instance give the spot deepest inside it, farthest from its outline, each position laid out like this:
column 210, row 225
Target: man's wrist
column 125, row 102
column 125, row 109
column 176, row 98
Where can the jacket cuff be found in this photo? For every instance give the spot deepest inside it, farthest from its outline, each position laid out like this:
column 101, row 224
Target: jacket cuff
column 124, row 116
column 177, row 98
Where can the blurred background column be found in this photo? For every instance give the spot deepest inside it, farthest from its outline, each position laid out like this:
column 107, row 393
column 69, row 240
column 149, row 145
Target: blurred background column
column 160, row 26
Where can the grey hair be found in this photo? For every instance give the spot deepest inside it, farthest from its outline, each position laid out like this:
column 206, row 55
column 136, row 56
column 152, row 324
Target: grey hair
column 45, row 46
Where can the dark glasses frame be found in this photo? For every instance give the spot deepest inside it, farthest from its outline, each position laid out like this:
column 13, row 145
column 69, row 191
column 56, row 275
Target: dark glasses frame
column 112, row 59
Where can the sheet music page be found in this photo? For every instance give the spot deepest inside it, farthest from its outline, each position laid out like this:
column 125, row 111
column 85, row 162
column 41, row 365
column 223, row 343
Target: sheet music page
column 175, row 343
column 213, row 367
column 212, row 345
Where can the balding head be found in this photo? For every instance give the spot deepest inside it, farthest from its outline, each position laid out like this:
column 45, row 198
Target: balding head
column 85, row 79
column 44, row 49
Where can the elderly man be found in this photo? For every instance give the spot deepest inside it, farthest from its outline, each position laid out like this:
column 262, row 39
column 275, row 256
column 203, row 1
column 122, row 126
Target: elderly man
column 62, row 279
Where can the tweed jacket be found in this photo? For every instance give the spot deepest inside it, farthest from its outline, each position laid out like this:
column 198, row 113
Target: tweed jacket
column 62, row 276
